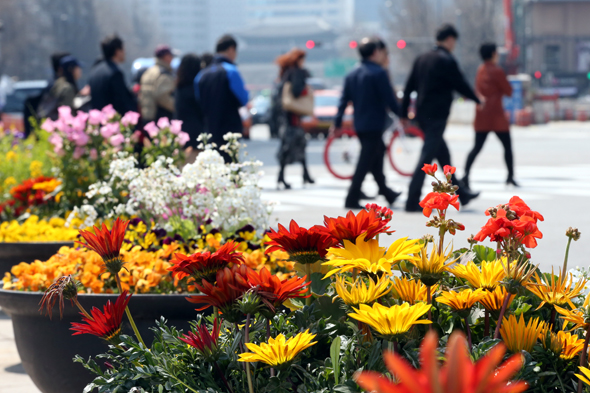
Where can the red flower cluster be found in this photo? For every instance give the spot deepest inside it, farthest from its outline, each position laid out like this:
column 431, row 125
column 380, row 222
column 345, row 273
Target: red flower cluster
column 430, row 169
column 229, row 286
column 521, row 224
column 439, row 201
column 26, row 195
column 107, row 243
column 105, row 324
column 384, row 213
column 205, row 265
column 275, row 291
column 302, row 245
column 203, row 340
column 352, row 226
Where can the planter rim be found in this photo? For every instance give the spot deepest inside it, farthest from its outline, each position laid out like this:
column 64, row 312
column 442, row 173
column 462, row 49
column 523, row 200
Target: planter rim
column 37, row 293
column 64, row 242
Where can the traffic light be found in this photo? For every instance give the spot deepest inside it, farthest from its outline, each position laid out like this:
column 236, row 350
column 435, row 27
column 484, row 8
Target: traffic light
column 401, row 44
column 538, row 74
column 353, row 44
column 310, row 44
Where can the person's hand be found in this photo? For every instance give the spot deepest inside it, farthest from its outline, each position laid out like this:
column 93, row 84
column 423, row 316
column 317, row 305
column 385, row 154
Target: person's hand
column 333, row 129
column 405, row 123
column 482, row 102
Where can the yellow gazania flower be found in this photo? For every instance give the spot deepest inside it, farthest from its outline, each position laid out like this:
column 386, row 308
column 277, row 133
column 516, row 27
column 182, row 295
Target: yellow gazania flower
column 411, row 291
column 556, row 291
column 564, row 344
column 492, row 301
column 461, row 301
column 488, row 277
column 517, row 273
column 35, row 168
column 579, row 316
column 518, row 336
column 278, row 351
column 391, row 321
column 368, row 257
column 356, row 293
column 432, row 267
column 10, row 181
column 586, row 377
column 11, row 156
column 47, row 186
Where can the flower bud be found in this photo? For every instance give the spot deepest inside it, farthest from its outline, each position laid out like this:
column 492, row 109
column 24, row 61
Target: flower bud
column 249, row 303
column 573, row 233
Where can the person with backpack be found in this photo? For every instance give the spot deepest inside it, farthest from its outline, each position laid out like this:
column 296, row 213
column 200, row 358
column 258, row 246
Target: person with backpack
column 157, row 85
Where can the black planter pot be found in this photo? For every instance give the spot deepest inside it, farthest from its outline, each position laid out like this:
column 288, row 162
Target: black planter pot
column 46, row 346
column 14, row 253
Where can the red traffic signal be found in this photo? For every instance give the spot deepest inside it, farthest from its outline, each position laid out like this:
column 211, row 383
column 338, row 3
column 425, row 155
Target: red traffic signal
column 353, row 44
column 310, row 44
column 401, row 44
column 538, row 74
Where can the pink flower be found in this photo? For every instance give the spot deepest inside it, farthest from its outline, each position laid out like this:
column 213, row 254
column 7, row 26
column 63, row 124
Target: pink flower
column 152, row 129
column 61, row 125
column 130, row 118
column 109, row 129
column 79, row 152
column 183, row 138
column 108, row 111
column 163, row 122
column 117, row 140
column 59, row 151
column 78, row 124
column 95, row 117
column 80, row 139
column 81, row 117
column 176, row 127
column 93, row 154
column 56, row 140
column 65, row 113
column 48, row 125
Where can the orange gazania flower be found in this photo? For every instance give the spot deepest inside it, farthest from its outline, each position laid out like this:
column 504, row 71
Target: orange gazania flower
column 439, row 201
column 303, row 245
column 458, row 375
column 205, row 265
column 105, row 324
column 275, row 291
column 107, row 243
column 230, row 284
column 352, row 226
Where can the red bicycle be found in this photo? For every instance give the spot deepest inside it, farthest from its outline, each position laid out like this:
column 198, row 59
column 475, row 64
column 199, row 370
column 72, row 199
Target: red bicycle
column 403, row 150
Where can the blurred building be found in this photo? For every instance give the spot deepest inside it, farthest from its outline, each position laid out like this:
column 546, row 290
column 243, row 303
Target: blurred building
column 554, row 40
column 337, row 13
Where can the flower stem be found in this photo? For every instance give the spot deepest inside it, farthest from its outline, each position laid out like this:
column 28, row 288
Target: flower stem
column 502, row 312
column 429, row 301
column 486, row 331
column 246, row 340
column 567, row 253
column 82, row 309
column 308, row 274
column 129, row 316
column 468, row 331
column 552, row 320
column 583, row 357
column 223, row 377
column 272, row 370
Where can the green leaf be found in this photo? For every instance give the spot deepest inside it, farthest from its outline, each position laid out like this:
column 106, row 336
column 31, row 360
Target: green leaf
column 483, row 253
column 160, row 388
column 335, row 357
column 318, row 285
column 329, row 307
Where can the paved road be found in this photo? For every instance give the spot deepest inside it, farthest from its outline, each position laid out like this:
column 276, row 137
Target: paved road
column 552, row 166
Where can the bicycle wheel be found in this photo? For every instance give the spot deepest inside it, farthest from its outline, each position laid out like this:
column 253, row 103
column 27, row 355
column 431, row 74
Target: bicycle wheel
column 404, row 151
column 341, row 154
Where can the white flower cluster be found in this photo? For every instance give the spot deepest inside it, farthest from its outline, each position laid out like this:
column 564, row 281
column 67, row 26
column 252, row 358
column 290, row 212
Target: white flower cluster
column 209, row 191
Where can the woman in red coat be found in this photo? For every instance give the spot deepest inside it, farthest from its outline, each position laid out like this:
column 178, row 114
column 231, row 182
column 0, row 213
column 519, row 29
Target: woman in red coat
column 492, row 84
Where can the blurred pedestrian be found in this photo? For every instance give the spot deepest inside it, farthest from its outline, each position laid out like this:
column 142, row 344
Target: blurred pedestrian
column 292, row 149
column 156, row 92
column 221, row 92
column 434, row 76
column 65, row 87
column 206, row 59
column 106, row 80
column 187, row 108
column 369, row 89
column 492, row 84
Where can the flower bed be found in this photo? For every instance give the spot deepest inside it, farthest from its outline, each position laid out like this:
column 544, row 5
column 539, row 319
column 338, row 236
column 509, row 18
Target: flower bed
column 325, row 329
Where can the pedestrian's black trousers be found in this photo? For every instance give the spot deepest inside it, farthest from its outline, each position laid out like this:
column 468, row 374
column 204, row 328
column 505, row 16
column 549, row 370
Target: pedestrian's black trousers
column 434, row 147
column 370, row 160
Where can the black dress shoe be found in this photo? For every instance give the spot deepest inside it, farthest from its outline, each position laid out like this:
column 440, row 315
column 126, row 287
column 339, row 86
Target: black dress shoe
column 413, row 209
column 365, row 196
column 353, row 206
column 465, row 196
column 391, row 196
column 510, row 181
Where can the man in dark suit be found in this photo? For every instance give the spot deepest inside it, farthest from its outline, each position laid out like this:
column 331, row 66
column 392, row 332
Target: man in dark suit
column 106, row 80
column 369, row 89
column 435, row 76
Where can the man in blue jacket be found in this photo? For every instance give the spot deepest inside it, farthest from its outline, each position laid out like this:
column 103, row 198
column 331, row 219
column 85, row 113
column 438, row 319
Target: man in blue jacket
column 369, row 89
column 220, row 90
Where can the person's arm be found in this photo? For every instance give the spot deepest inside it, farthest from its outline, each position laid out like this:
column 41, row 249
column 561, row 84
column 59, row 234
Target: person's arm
column 122, row 98
column 455, row 76
column 196, row 86
column 344, row 100
column 163, row 92
column 387, row 93
column 411, row 86
column 504, row 83
column 236, row 84
column 66, row 96
column 297, row 79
